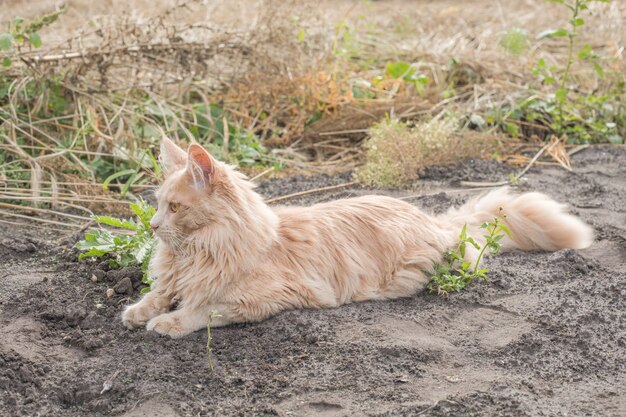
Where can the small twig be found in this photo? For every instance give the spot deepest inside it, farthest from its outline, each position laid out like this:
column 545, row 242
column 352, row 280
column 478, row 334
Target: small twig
column 6, row 213
column 262, row 174
column 54, row 229
column 578, row 149
column 343, row 132
column 427, row 409
column 39, row 210
column 473, row 184
column 14, row 196
column 312, row 191
column 532, row 161
column 108, row 384
column 87, row 226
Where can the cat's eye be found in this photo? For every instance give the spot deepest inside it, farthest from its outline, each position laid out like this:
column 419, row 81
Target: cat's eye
column 174, row 207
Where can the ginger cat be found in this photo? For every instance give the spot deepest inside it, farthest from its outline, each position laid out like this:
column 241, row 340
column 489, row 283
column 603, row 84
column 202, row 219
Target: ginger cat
column 222, row 248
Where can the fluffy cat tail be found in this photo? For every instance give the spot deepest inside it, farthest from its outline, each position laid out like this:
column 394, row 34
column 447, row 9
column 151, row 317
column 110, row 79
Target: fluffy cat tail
column 534, row 219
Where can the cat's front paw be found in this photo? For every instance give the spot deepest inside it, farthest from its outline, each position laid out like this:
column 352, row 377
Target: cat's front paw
column 134, row 317
column 167, row 325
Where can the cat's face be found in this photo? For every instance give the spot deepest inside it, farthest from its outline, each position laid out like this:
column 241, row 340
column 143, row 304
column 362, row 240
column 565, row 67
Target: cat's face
column 194, row 193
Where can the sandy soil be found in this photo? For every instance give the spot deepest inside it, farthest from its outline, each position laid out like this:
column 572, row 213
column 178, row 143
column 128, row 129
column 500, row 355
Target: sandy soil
column 546, row 337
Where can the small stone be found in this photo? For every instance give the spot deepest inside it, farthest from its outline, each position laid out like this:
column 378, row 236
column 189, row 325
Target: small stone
column 124, row 286
column 94, row 278
column 110, row 292
column 99, row 305
column 99, row 274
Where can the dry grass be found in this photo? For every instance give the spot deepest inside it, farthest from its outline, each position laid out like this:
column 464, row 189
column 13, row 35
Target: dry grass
column 297, row 76
column 397, row 152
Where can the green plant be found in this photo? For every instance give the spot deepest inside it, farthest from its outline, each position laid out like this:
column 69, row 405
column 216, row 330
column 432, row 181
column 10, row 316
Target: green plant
column 585, row 108
column 124, row 249
column 402, row 70
column 22, row 33
column 458, row 273
column 561, row 94
column 582, row 117
column 515, row 41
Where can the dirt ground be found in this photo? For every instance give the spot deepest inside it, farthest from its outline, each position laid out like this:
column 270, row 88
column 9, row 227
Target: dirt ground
column 546, row 337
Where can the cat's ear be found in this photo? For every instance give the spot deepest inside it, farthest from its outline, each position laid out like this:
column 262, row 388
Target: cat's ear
column 200, row 166
column 171, row 155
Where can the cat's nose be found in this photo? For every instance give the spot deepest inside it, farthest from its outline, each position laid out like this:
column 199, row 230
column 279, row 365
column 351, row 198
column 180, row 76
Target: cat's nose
column 154, row 226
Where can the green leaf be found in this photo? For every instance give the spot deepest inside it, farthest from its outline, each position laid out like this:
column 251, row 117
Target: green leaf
column 399, row 69
column 129, row 183
column 144, row 213
column 115, row 222
column 301, row 34
column 561, row 94
column 35, row 40
column 598, row 69
column 17, row 22
column 463, row 234
column 92, row 252
column 541, row 63
column 6, row 41
column 105, row 184
column 6, row 62
column 511, row 129
column 584, row 52
column 578, row 22
column 553, row 33
column 145, row 249
column 155, row 163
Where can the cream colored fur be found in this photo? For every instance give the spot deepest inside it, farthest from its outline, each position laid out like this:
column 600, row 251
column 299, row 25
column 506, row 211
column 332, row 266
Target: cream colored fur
column 222, row 248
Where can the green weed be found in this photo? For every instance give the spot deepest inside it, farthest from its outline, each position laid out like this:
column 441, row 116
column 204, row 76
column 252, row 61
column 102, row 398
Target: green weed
column 22, row 33
column 458, row 273
column 134, row 249
column 515, row 41
column 402, row 70
column 593, row 116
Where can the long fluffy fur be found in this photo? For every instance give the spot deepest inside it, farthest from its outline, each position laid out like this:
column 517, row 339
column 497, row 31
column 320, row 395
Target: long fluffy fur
column 226, row 250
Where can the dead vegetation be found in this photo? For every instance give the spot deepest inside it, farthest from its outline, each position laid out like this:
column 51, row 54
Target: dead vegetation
column 271, row 84
column 398, row 152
